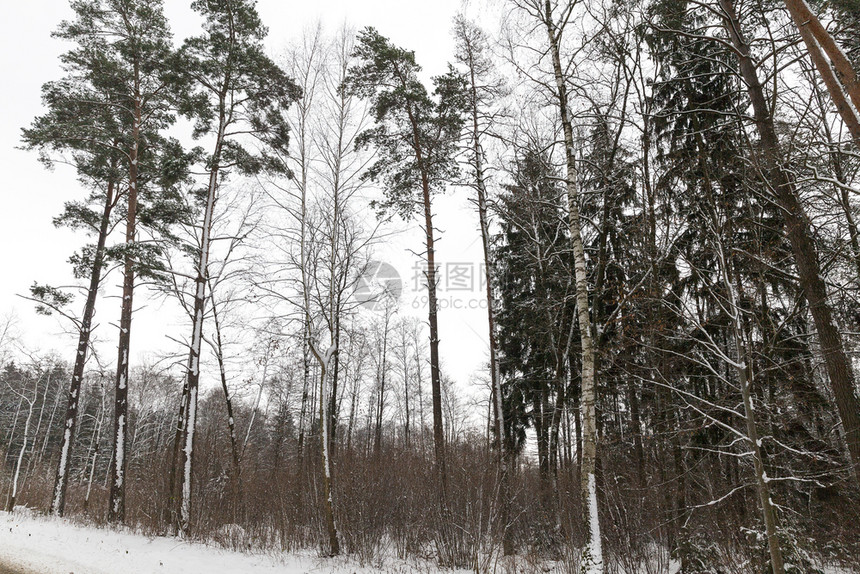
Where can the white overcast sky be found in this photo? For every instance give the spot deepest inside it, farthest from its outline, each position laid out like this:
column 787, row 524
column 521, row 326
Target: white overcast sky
column 34, row 250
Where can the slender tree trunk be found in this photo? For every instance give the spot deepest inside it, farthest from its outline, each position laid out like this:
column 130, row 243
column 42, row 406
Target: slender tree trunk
column 257, row 400
column 592, row 560
column 435, row 374
column 228, row 399
column 92, row 444
column 95, row 452
column 11, row 434
column 44, row 402
column 567, row 450
column 679, row 496
column 636, row 423
column 58, row 501
column 173, row 498
column 555, row 452
column 555, row 424
column 540, row 438
column 306, row 375
column 433, row 319
column 420, row 390
column 495, row 371
column 50, row 423
column 799, row 234
column 323, row 360
column 577, row 427
column 328, row 499
column 352, row 405
column 380, row 401
column 405, row 365
column 116, row 508
column 109, row 471
column 10, row 503
column 193, row 373
column 742, row 367
column 335, row 377
column 383, row 371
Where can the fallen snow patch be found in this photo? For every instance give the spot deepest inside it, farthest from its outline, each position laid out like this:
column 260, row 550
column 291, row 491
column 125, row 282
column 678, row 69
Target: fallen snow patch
column 39, row 544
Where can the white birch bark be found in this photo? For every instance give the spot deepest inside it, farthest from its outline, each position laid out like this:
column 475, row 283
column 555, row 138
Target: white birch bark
column 95, row 451
column 197, row 327
column 15, row 478
column 592, row 557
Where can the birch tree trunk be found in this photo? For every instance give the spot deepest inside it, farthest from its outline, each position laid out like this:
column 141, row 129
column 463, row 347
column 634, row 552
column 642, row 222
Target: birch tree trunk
column 328, row 499
column 269, row 345
column 50, row 424
column 228, row 398
column 306, row 375
column 11, row 434
column 244, row 95
column 10, row 503
column 592, row 558
column 323, row 360
column 193, row 373
column 44, row 402
column 173, row 498
column 95, row 451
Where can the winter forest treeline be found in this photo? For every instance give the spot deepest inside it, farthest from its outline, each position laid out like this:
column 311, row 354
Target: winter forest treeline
column 665, row 193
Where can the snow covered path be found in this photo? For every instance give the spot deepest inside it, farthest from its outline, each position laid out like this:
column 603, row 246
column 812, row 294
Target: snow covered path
column 32, row 544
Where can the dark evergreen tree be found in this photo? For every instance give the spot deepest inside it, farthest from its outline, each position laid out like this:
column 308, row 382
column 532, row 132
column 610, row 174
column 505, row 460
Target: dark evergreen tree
column 124, row 57
column 78, row 120
column 713, row 192
column 104, row 117
column 536, row 313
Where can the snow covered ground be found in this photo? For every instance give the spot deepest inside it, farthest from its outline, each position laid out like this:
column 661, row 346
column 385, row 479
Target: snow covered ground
column 34, row 544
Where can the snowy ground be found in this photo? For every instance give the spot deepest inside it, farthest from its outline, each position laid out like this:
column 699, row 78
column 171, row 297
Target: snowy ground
column 33, row 544
column 36, row 544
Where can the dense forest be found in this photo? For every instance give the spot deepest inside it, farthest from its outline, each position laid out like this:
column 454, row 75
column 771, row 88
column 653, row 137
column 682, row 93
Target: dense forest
column 664, row 192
